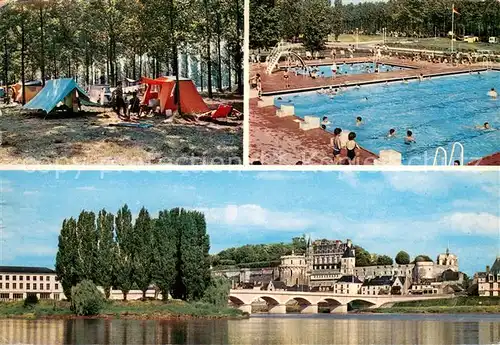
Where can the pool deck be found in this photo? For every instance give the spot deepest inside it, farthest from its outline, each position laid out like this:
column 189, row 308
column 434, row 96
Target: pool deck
column 280, row 141
column 490, row 160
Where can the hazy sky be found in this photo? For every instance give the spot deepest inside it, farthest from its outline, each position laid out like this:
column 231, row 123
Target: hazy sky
column 384, row 212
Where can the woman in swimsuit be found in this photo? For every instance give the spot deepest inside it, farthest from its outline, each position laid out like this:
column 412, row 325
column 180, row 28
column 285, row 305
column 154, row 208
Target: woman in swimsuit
column 351, row 146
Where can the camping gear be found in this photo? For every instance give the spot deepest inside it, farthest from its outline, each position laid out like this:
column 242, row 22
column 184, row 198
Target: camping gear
column 164, row 88
column 57, row 91
column 222, row 111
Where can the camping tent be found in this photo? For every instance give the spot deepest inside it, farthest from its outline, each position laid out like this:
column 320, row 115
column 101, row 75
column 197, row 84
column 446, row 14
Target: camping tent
column 163, row 88
column 32, row 88
column 56, row 91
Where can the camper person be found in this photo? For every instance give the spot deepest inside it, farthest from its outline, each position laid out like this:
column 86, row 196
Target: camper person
column 134, row 105
column 118, row 101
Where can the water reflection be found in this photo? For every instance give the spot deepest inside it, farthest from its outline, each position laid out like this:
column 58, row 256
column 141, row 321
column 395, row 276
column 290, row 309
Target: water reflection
column 289, row 330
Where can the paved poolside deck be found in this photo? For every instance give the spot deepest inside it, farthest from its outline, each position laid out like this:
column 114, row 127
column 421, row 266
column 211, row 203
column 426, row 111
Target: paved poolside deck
column 280, row 141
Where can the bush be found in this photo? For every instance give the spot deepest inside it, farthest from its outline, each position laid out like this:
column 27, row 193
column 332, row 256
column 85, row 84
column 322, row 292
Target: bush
column 30, row 301
column 217, row 292
column 86, row 299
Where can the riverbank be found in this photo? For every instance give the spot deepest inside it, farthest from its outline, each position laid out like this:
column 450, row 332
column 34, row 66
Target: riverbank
column 137, row 310
column 457, row 305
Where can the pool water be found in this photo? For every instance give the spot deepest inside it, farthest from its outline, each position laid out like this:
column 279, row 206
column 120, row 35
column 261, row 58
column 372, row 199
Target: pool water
column 351, row 68
column 440, row 112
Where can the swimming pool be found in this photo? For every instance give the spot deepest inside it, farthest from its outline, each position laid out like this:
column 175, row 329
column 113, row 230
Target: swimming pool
column 352, row 68
column 440, row 112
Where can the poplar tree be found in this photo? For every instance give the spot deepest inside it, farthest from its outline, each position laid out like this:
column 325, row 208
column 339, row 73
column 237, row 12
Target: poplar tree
column 142, row 251
column 87, row 245
column 123, row 263
column 106, row 251
column 67, row 263
column 164, row 253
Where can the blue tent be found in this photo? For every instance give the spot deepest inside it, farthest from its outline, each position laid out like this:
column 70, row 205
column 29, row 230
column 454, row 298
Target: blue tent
column 54, row 92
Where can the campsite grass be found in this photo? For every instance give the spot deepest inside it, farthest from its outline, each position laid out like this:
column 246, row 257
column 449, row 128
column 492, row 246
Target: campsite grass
column 88, row 138
column 119, row 309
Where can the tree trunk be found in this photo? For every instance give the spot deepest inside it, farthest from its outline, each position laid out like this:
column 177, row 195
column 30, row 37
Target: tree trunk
column 125, row 293
column 144, row 294
column 208, row 47
column 107, row 292
column 239, row 70
column 6, row 64
column 23, row 76
column 219, row 61
column 42, row 40
column 175, row 59
column 134, row 71
column 229, row 74
column 140, row 62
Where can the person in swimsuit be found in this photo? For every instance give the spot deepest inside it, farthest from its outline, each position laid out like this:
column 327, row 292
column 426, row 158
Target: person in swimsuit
column 286, row 77
column 351, row 146
column 359, row 121
column 337, row 144
column 409, row 138
column 392, row 133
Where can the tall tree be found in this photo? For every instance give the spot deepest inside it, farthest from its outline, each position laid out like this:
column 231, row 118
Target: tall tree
column 164, row 250
column 124, row 278
column 142, row 251
column 67, row 260
column 106, row 251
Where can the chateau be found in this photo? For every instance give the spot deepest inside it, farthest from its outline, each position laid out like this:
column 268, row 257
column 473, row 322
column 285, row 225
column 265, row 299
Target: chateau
column 330, row 265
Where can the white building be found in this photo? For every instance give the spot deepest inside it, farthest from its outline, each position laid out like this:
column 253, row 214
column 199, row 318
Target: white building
column 18, row 282
column 488, row 282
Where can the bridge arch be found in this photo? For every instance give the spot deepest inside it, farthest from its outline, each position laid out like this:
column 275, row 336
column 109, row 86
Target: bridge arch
column 270, row 301
column 361, row 303
column 236, row 301
column 299, row 300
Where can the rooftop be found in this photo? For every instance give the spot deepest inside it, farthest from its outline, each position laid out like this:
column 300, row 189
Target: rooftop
column 24, row 269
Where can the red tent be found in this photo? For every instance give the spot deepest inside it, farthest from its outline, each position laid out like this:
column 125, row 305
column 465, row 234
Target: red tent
column 163, row 89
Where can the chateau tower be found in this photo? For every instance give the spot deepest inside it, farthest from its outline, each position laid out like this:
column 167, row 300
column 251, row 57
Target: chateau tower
column 292, row 270
column 348, row 261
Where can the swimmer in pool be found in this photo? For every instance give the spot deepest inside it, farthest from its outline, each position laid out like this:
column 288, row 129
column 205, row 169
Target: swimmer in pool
column 409, row 138
column 357, row 87
column 456, row 163
column 386, row 83
column 492, row 93
column 405, row 81
column 485, row 126
column 324, row 121
column 359, row 121
column 392, row 133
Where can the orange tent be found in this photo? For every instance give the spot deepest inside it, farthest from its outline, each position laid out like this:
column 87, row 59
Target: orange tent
column 31, row 89
column 163, row 88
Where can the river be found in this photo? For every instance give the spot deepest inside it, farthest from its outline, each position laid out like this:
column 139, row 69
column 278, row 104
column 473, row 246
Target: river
column 262, row 330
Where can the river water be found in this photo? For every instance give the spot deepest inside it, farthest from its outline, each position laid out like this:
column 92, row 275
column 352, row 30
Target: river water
column 262, row 330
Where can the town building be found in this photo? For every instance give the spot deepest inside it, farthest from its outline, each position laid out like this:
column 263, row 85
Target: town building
column 488, row 282
column 16, row 283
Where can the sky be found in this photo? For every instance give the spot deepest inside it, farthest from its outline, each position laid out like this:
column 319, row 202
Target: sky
column 384, row 212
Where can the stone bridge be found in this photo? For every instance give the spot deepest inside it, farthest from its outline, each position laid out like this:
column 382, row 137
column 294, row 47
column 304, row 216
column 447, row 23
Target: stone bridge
column 309, row 301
